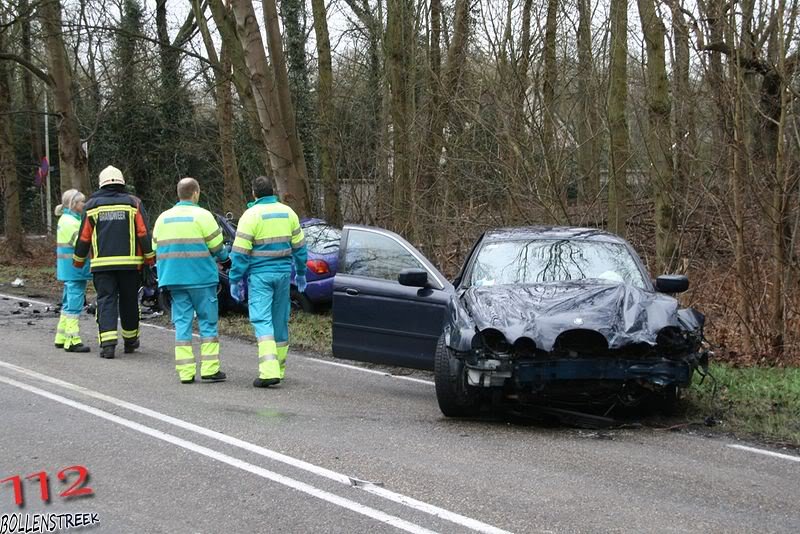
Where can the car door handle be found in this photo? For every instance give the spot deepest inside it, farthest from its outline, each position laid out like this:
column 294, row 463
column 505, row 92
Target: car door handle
column 351, row 291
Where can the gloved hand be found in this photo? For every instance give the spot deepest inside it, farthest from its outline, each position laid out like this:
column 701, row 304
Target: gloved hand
column 237, row 291
column 300, row 282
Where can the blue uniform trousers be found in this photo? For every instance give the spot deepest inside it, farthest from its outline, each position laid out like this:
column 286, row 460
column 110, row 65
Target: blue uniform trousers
column 185, row 303
column 269, row 306
column 72, row 300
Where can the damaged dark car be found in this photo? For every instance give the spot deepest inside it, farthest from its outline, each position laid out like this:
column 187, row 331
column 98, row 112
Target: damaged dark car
column 542, row 316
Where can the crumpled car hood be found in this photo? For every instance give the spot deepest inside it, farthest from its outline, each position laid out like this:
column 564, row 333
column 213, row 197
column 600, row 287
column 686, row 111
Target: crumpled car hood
column 622, row 313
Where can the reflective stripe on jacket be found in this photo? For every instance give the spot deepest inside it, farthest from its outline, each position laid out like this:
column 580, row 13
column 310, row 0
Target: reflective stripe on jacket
column 115, row 232
column 186, row 238
column 268, row 238
column 68, row 227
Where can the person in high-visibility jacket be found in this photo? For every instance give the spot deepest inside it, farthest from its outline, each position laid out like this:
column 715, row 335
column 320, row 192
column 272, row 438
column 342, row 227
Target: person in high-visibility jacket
column 268, row 239
column 72, row 299
column 115, row 232
column 186, row 239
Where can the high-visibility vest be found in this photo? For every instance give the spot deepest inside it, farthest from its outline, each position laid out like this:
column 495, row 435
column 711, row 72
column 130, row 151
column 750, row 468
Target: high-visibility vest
column 67, row 234
column 186, row 238
column 115, row 232
column 268, row 238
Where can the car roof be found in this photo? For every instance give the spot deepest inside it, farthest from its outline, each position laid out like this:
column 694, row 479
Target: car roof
column 553, row 232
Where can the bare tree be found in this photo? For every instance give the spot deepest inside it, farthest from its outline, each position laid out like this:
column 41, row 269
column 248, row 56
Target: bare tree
column 659, row 148
column 588, row 127
column 283, row 91
column 292, row 185
column 234, row 198
column 617, row 119
column 15, row 235
column 73, row 164
column 399, row 50
column 325, row 104
column 552, row 184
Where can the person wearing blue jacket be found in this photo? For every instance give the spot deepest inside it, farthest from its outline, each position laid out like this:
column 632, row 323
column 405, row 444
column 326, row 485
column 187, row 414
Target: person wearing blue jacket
column 187, row 239
column 268, row 239
column 72, row 299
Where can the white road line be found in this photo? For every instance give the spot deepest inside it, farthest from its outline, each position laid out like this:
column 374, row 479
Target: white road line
column 314, row 360
column 766, row 452
column 372, row 513
column 436, row 511
column 373, row 371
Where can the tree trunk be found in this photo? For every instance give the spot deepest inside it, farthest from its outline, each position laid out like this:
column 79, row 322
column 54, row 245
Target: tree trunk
column 15, row 235
column 291, row 184
column 283, row 93
column 552, row 185
column 294, row 18
column 325, row 106
column 588, row 126
column 29, row 94
column 170, row 60
column 399, row 45
column 226, row 25
column 617, row 121
column 73, row 164
column 659, row 137
column 779, row 210
column 738, row 154
column 683, row 103
column 234, row 201
column 234, row 197
column 430, row 147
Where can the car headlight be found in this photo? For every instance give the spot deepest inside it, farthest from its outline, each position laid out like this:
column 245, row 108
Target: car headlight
column 495, row 341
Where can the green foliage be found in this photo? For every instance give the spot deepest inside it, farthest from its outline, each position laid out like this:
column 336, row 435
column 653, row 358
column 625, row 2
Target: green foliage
column 307, row 331
column 760, row 401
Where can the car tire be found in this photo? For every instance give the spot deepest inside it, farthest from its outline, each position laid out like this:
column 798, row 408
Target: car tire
column 301, row 302
column 456, row 398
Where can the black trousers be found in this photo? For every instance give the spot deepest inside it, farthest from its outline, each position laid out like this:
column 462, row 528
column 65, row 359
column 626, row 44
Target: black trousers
column 117, row 296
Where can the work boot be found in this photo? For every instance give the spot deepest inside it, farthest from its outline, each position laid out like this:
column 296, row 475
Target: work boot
column 79, row 347
column 265, row 382
column 187, row 381
column 131, row 346
column 59, row 345
column 107, row 352
column 219, row 376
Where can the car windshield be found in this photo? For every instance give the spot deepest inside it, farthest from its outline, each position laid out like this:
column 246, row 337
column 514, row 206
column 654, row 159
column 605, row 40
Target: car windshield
column 322, row 238
column 550, row 260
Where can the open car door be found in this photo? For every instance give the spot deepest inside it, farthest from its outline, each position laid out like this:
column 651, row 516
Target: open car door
column 375, row 318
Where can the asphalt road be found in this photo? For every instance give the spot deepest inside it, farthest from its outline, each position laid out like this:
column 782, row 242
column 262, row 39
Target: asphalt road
column 340, row 449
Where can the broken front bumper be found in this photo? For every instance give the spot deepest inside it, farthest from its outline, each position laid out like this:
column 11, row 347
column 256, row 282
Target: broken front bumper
column 533, row 373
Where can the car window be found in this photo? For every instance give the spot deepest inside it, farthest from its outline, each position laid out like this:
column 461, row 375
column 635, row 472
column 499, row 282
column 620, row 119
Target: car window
column 376, row 256
column 549, row 260
column 322, row 238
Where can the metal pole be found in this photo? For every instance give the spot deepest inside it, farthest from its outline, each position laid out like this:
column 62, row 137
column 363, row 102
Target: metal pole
column 47, row 155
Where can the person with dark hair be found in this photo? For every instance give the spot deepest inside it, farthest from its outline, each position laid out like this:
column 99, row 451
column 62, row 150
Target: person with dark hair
column 115, row 231
column 268, row 239
column 69, row 212
column 186, row 239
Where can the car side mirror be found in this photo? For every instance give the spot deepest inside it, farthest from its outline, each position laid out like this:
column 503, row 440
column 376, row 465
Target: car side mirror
column 413, row 278
column 672, row 283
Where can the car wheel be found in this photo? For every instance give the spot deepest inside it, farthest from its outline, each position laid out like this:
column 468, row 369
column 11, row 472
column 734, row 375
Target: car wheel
column 456, row 398
column 165, row 301
column 301, row 302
